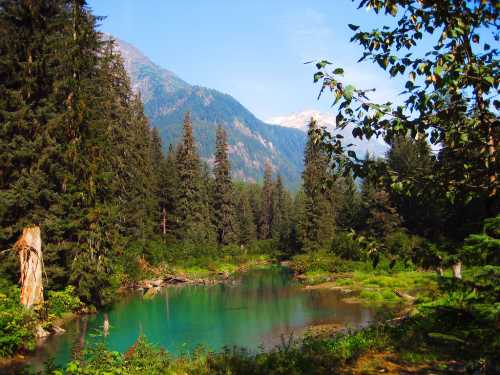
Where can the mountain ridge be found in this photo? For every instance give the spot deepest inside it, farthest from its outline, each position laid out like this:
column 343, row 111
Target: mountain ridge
column 252, row 142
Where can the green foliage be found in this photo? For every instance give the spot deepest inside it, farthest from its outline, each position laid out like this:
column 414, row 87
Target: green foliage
column 319, row 261
column 483, row 248
column 318, row 222
column 223, row 204
column 346, row 246
column 16, row 323
column 449, row 100
column 328, row 356
column 401, row 246
column 63, row 301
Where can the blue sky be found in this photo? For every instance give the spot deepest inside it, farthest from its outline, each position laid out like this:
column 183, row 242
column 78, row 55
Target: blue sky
column 252, row 50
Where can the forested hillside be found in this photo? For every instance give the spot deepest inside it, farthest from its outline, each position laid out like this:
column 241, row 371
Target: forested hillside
column 252, row 143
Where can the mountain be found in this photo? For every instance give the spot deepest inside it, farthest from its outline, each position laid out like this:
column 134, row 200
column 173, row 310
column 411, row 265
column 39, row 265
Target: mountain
column 252, row 142
column 300, row 121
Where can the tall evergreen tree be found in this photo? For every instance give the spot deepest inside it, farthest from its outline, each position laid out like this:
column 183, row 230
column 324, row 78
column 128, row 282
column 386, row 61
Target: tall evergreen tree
column 247, row 229
column 169, row 192
column 191, row 209
column 411, row 160
column 319, row 220
column 266, row 213
column 223, row 205
column 282, row 206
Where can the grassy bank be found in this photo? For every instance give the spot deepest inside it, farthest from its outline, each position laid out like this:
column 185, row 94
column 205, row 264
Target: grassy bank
column 360, row 282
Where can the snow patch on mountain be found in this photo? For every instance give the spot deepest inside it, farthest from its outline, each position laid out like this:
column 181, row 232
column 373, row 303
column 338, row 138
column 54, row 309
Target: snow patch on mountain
column 300, row 121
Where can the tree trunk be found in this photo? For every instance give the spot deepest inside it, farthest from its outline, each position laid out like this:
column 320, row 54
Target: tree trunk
column 457, row 270
column 29, row 247
column 106, row 324
column 164, row 222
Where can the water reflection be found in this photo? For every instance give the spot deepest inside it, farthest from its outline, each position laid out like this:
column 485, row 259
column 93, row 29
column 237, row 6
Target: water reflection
column 258, row 310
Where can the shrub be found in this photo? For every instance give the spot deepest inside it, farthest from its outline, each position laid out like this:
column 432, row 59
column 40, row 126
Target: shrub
column 401, row 246
column 16, row 323
column 62, row 301
column 319, row 261
column 483, row 248
column 345, row 246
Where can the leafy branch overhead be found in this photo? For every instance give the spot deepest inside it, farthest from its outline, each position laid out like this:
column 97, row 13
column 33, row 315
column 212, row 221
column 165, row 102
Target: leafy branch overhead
column 451, row 92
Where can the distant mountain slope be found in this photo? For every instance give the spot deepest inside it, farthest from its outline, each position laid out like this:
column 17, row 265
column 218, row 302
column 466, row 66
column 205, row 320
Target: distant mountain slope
column 252, row 142
column 300, row 120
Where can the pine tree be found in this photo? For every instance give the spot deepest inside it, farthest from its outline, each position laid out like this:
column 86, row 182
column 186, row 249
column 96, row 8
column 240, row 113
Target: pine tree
column 348, row 203
column 223, row 205
column 247, row 230
column 411, row 161
column 192, row 211
column 266, row 214
column 282, row 206
column 169, row 192
column 319, row 219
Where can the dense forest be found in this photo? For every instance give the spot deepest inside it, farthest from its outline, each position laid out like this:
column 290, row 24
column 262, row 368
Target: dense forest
column 79, row 159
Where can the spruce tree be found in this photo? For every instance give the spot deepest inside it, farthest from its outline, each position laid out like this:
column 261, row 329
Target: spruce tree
column 247, row 229
column 282, row 206
column 223, row 205
column 266, row 213
column 319, row 221
column 192, row 211
column 169, row 192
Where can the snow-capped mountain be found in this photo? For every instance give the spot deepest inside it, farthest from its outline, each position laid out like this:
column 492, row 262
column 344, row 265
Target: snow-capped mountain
column 300, row 121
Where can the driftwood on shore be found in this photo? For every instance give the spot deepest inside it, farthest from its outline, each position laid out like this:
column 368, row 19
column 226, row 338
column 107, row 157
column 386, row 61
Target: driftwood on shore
column 170, row 279
column 404, row 295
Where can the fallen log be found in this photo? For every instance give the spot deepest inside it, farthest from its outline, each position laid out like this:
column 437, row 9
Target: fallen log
column 404, row 295
column 174, row 279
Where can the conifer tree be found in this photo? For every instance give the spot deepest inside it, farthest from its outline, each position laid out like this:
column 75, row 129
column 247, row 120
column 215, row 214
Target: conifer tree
column 247, row 230
column 319, row 221
column 223, row 205
column 282, row 205
column 266, row 213
column 169, row 192
column 192, row 211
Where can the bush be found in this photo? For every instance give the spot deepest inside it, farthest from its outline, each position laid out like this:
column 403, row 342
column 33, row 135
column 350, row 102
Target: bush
column 401, row 246
column 345, row 246
column 16, row 323
column 319, row 261
column 62, row 301
column 483, row 248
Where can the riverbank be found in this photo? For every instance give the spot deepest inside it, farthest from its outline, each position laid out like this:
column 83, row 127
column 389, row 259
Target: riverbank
column 359, row 282
column 209, row 273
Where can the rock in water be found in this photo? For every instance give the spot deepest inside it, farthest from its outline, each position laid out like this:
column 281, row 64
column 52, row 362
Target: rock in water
column 40, row 332
column 58, row 330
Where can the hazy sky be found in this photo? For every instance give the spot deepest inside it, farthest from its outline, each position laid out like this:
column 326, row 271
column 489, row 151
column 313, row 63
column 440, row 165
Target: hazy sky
column 252, row 50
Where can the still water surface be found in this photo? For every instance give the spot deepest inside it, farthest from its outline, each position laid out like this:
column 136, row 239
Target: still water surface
column 255, row 311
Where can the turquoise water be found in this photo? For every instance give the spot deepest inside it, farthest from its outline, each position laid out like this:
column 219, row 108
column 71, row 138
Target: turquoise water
column 254, row 311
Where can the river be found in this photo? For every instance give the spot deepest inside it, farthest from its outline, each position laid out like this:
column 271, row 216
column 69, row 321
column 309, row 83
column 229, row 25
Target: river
column 254, row 311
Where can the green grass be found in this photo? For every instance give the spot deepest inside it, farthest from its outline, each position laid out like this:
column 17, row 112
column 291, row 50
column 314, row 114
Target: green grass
column 316, row 277
column 373, row 288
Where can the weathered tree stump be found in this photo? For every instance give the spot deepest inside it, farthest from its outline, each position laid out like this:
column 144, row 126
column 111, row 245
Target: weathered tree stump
column 29, row 247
